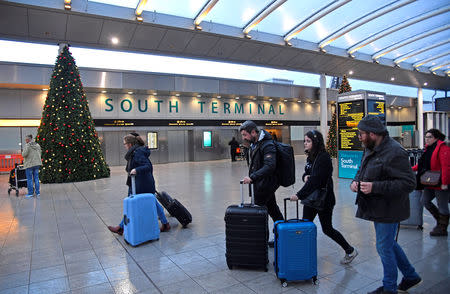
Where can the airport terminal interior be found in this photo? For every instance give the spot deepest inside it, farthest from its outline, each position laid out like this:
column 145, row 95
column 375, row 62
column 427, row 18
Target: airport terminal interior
column 185, row 75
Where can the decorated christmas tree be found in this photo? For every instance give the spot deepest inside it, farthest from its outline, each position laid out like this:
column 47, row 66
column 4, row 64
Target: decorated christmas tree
column 332, row 133
column 70, row 146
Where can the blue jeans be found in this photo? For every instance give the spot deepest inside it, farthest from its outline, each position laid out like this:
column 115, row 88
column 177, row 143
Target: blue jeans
column 392, row 256
column 33, row 174
column 159, row 210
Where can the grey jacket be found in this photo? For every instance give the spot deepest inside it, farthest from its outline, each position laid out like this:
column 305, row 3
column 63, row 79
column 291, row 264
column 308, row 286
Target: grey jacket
column 387, row 167
column 31, row 155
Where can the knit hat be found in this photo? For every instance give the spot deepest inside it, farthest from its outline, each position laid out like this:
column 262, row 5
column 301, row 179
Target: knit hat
column 372, row 124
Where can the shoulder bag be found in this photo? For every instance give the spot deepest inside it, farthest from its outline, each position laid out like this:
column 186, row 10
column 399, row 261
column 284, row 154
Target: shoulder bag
column 317, row 198
column 431, row 178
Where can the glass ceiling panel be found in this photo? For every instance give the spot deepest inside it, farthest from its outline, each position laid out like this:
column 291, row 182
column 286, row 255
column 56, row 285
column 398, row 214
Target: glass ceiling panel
column 378, row 24
column 429, row 54
column 422, row 43
column 122, row 3
column 410, row 31
column 187, row 9
column 439, row 61
column 236, row 13
column 339, row 18
column 289, row 15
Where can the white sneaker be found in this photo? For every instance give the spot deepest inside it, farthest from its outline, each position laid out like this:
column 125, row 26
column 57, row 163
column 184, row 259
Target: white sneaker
column 38, row 195
column 349, row 257
column 28, row 196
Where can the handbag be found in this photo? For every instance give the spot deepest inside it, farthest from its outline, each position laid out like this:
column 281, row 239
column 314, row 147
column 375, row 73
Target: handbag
column 431, row 178
column 317, row 198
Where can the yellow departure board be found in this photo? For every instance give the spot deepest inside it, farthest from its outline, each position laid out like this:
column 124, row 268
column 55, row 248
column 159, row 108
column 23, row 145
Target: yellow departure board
column 349, row 115
column 378, row 108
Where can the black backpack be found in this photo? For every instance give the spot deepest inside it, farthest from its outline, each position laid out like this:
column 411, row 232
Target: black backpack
column 285, row 164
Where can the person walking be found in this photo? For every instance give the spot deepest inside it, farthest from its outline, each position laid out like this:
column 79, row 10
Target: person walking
column 262, row 168
column 318, row 174
column 383, row 183
column 32, row 162
column 234, row 145
column 436, row 158
column 138, row 164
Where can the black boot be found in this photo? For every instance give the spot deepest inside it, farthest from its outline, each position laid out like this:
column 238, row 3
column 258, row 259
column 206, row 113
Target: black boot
column 435, row 213
column 441, row 228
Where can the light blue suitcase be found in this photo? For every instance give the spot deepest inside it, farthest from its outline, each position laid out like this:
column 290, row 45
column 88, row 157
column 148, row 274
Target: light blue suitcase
column 140, row 218
column 295, row 249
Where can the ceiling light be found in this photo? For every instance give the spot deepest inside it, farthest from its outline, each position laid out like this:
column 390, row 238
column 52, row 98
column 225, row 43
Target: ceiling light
column 45, row 89
column 67, row 4
column 270, row 99
column 198, row 96
column 237, row 98
column 425, row 84
column 285, row 100
column 400, row 107
column 299, row 101
column 177, row 94
column 312, row 102
column 322, row 50
column 198, row 28
column 392, row 79
column 288, row 44
column 247, row 36
column 115, row 40
column 218, row 96
column 154, row 93
column 254, row 98
column 351, row 55
column 130, row 92
column 103, row 91
column 139, row 18
column 376, row 61
column 391, row 106
column 350, row 72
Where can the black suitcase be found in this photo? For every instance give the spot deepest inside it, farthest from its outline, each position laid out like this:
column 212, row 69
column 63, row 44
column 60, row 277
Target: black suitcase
column 246, row 234
column 175, row 208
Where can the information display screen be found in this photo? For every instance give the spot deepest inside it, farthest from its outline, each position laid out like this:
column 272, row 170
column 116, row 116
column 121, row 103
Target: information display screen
column 377, row 107
column 349, row 115
column 152, row 140
column 207, row 139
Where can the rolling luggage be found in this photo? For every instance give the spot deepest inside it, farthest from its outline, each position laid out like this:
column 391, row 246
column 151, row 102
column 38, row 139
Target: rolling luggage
column 17, row 179
column 246, row 234
column 175, row 208
column 295, row 249
column 416, row 210
column 140, row 218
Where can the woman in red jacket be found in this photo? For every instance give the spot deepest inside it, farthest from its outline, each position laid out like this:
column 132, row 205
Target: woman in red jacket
column 436, row 158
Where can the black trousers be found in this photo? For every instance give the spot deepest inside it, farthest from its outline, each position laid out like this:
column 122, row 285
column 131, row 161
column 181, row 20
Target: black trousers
column 325, row 218
column 270, row 202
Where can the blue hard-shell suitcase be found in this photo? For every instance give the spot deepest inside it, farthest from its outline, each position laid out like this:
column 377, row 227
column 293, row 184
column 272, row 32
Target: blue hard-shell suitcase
column 295, row 249
column 140, row 218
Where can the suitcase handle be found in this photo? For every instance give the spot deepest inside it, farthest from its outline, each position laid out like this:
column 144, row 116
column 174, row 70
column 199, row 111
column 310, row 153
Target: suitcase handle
column 285, row 210
column 126, row 220
column 133, row 185
column 242, row 193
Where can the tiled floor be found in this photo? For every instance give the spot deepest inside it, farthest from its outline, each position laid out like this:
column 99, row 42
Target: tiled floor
column 60, row 244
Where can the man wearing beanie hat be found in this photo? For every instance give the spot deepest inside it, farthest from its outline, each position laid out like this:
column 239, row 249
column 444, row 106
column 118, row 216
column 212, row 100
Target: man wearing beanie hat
column 383, row 183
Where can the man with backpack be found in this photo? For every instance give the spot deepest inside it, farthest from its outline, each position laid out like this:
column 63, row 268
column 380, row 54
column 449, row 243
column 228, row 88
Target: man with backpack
column 262, row 168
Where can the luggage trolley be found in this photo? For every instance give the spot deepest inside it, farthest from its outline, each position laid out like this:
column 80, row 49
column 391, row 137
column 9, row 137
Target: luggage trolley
column 17, row 179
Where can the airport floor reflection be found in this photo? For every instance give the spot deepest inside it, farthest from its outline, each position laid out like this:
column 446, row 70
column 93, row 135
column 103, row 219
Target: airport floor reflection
column 60, row 243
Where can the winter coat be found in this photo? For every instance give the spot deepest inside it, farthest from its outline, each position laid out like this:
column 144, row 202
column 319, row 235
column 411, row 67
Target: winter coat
column 440, row 161
column 319, row 177
column 31, row 155
column 139, row 160
column 387, row 167
column 262, row 167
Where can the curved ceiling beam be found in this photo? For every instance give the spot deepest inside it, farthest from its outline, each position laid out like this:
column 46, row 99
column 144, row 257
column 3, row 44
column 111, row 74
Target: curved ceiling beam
column 204, row 12
column 423, row 61
column 407, row 41
column 261, row 15
column 363, row 20
column 436, row 67
column 419, row 51
column 330, row 7
column 396, row 27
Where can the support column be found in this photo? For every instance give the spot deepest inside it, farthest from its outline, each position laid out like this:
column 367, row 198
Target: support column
column 323, row 106
column 420, row 116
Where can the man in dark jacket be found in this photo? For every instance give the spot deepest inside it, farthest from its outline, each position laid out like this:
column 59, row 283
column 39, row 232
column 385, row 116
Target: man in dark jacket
column 262, row 167
column 383, row 183
column 234, row 145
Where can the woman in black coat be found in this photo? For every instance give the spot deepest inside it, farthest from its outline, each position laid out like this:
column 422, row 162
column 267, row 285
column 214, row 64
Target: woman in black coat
column 138, row 164
column 318, row 174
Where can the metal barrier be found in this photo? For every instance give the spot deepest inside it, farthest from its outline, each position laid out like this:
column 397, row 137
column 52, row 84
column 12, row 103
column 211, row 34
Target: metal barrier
column 8, row 161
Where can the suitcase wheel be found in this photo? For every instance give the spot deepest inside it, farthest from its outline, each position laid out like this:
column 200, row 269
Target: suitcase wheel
column 284, row 283
column 420, row 227
column 9, row 191
column 17, row 193
column 315, row 281
column 229, row 266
